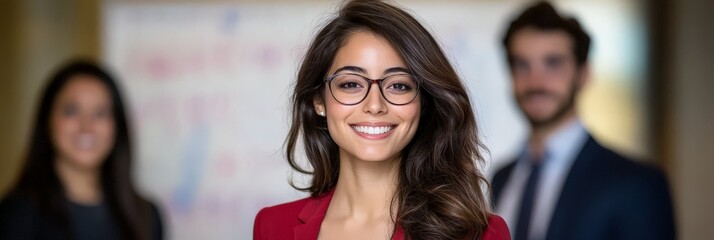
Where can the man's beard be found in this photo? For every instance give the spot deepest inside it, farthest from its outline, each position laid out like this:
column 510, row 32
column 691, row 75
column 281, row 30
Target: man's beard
column 564, row 106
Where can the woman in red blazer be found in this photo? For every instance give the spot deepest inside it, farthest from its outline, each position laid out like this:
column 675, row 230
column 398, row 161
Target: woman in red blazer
column 388, row 130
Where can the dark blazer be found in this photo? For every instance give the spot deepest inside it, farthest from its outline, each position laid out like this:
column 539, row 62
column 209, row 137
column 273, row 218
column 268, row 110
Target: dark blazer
column 606, row 196
column 21, row 219
column 302, row 219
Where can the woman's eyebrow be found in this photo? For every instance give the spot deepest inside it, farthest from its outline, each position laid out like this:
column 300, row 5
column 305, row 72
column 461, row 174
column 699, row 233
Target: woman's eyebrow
column 363, row 71
column 352, row 69
column 396, row 70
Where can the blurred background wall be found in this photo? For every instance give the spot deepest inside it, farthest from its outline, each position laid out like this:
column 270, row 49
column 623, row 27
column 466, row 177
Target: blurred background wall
column 211, row 154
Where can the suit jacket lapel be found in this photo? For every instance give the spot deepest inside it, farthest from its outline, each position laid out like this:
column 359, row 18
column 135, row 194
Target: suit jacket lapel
column 567, row 207
column 499, row 182
column 311, row 216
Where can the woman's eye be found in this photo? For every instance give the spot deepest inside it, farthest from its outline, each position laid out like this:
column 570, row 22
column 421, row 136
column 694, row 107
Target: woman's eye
column 350, row 85
column 104, row 113
column 400, row 87
column 70, row 110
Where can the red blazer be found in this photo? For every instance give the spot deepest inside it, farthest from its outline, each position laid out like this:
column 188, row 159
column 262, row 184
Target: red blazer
column 301, row 220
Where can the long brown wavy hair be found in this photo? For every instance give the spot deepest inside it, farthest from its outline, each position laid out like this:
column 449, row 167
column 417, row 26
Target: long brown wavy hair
column 439, row 193
column 40, row 183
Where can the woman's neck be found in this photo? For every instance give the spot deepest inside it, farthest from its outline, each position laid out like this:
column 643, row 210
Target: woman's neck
column 81, row 185
column 364, row 189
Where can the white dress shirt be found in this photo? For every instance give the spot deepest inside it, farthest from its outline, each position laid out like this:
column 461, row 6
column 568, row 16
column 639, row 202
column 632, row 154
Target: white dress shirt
column 561, row 150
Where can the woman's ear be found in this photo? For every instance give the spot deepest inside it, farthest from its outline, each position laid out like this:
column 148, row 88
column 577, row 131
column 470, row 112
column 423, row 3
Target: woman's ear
column 319, row 106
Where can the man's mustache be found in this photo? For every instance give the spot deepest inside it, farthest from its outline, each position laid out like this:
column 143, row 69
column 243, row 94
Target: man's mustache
column 536, row 93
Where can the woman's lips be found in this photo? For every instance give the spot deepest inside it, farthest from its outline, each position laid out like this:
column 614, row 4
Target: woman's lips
column 85, row 141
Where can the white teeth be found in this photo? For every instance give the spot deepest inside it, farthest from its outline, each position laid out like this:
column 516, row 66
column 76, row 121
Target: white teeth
column 373, row 130
column 86, row 141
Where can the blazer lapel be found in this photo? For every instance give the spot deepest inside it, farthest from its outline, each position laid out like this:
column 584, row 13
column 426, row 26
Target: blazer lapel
column 314, row 212
column 578, row 179
column 499, row 181
column 311, row 216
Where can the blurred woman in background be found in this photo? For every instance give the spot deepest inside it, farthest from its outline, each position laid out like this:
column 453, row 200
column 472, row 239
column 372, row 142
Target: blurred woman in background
column 388, row 130
column 76, row 181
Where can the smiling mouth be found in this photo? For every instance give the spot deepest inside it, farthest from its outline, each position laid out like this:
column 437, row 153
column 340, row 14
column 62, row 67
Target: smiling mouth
column 373, row 130
column 85, row 141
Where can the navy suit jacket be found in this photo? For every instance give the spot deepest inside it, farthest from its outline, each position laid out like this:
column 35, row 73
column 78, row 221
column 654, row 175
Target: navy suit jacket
column 606, row 196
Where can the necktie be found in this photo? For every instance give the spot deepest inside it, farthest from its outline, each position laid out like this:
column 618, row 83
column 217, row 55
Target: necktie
column 524, row 215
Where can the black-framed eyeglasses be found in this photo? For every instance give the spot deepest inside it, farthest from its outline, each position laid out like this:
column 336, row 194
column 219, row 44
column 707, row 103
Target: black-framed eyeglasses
column 352, row 89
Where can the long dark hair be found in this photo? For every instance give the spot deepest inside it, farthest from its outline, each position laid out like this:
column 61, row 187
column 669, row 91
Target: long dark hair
column 440, row 188
column 39, row 181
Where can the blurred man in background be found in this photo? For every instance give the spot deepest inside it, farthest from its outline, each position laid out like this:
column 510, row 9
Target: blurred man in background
column 564, row 185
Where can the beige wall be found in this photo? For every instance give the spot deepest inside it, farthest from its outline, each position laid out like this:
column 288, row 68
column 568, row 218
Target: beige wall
column 690, row 115
column 9, row 92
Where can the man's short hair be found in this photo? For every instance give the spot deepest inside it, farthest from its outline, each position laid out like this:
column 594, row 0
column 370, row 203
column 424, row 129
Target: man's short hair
column 542, row 16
